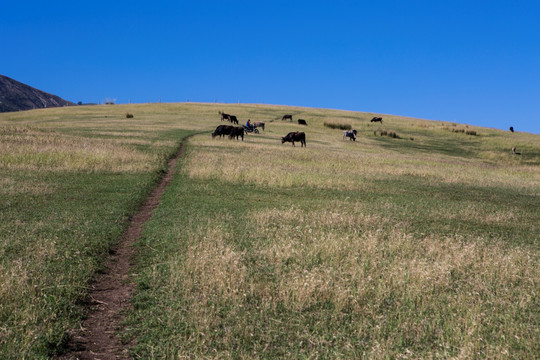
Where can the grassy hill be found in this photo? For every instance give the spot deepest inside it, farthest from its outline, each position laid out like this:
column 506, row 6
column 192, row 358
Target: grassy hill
column 426, row 245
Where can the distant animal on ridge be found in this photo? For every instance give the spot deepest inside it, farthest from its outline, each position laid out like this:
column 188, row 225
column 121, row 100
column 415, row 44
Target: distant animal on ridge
column 302, row 122
column 295, row 136
column 287, row 117
column 511, row 128
column 351, row 134
column 377, row 119
column 224, row 116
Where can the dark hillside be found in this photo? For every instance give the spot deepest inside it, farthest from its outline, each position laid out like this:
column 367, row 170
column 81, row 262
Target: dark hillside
column 15, row 96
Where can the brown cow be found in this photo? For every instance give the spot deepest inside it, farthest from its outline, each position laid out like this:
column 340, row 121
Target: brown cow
column 287, row 117
column 295, row 136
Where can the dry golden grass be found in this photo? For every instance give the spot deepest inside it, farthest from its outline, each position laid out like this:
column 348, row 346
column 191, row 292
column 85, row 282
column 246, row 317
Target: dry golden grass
column 269, row 163
column 379, row 248
column 35, row 150
column 322, row 256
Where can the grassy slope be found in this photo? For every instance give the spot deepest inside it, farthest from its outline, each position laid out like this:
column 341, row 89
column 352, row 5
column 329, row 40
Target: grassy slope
column 69, row 180
column 383, row 247
column 379, row 248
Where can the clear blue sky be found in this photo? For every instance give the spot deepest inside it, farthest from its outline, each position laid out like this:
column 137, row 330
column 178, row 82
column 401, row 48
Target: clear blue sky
column 471, row 62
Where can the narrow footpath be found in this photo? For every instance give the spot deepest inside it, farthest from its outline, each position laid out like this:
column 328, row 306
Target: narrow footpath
column 110, row 295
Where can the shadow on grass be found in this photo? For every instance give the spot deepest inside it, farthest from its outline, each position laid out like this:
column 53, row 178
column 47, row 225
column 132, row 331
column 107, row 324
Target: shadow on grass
column 457, row 147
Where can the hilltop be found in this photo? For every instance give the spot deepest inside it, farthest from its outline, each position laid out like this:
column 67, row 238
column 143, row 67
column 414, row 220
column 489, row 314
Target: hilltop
column 16, row 96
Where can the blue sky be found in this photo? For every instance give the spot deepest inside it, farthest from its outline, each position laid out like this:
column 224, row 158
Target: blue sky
column 470, row 62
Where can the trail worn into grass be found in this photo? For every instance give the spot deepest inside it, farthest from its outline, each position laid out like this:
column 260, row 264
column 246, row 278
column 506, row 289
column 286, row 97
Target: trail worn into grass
column 110, row 295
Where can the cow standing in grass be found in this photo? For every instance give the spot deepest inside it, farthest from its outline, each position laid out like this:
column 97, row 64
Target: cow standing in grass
column 351, row 134
column 224, row 116
column 287, row 117
column 377, row 119
column 222, row 130
column 237, row 131
column 295, row 136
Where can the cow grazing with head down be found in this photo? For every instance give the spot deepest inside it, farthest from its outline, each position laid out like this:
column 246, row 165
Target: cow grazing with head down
column 351, row 134
column 302, row 122
column 237, row 131
column 287, row 117
column 377, row 119
column 295, row 136
column 222, row 130
column 233, row 119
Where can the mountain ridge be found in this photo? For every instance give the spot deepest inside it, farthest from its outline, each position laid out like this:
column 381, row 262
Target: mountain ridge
column 17, row 96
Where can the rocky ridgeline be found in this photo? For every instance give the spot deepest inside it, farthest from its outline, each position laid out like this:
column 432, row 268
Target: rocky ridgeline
column 16, row 96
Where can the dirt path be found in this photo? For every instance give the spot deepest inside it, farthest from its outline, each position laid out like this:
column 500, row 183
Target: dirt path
column 111, row 293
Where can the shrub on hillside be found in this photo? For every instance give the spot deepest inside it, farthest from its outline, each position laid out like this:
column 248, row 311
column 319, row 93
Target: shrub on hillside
column 332, row 124
column 462, row 131
column 391, row 134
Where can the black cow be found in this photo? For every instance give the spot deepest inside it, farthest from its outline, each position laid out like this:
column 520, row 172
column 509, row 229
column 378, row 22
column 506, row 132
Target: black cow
column 377, row 119
column 351, row 134
column 287, row 117
column 236, row 132
column 224, row 116
column 302, row 122
column 233, row 119
column 295, row 136
column 511, row 128
column 222, row 130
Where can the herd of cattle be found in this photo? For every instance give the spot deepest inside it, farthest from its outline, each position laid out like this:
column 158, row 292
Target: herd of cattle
column 292, row 137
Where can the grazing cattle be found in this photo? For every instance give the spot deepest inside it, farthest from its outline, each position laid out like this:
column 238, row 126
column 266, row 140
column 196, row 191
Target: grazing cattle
column 351, row 134
column 287, row 117
column 259, row 124
column 224, row 116
column 511, row 128
column 515, row 152
column 233, row 119
column 222, row 130
column 377, row 119
column 237, row 131
column 295, row 136
column 302, row 122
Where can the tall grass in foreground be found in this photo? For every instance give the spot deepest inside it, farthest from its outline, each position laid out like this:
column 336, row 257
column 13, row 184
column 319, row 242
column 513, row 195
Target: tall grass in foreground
column 267, row 251
column 66, row 193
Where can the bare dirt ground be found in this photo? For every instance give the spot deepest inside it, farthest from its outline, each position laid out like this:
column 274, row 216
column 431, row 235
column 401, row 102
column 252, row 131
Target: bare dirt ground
column 110, row 294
